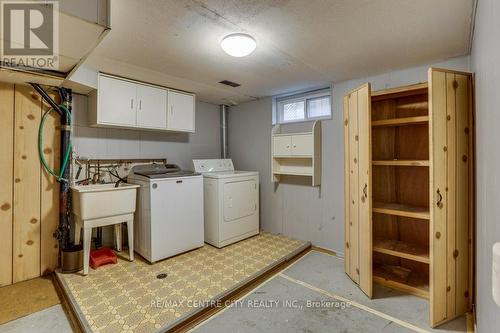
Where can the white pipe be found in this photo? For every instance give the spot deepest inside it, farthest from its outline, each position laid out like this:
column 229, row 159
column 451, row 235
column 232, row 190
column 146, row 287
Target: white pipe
column 223, row 131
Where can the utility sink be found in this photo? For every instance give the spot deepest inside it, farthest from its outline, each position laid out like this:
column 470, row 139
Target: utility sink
column 103, row 200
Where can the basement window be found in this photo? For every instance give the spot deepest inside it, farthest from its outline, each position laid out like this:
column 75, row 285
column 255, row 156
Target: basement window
column 306, row 106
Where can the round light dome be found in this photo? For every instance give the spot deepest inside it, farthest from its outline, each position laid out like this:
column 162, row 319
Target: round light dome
column 238, row 45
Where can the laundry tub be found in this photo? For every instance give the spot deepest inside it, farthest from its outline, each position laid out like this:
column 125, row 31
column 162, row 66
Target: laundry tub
column 102, row 205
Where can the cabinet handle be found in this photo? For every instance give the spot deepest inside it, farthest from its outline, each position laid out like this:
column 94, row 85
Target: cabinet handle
column 140, row 104
column 171, row 110
column 131, row 103
column 294, row 146
column 365, row 191
column 288, row 146
column 178, row 181
column 440, row 199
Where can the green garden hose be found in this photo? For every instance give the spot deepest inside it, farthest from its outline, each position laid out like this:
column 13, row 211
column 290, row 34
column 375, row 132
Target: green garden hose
column 40, row 147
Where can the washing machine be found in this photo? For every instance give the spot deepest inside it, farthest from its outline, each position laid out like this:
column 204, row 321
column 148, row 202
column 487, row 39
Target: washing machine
column 231, row 201
column 169, row 215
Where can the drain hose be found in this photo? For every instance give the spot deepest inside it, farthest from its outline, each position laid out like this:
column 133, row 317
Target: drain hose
column 40, row 147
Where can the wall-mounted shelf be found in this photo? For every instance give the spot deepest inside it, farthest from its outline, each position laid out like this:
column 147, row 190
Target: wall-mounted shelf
column 297, row 153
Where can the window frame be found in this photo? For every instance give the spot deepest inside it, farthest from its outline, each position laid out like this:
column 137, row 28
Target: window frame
column 302, row 97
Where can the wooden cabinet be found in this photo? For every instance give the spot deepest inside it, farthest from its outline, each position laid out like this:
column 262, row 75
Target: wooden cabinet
column 297, row 154
column 124, row 103
column 180, row 112
column 409, row 190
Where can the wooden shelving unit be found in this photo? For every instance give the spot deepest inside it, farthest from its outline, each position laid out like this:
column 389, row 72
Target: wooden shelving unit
column 400, row 247
column 401, row 210
column 297, row 153
column 409, row 199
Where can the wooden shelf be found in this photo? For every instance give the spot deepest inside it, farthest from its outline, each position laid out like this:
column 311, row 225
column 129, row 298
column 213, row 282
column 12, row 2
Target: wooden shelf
column 414, row 89
column 401, row 121
column 293, row 156
column 401, row 210
column 417, row 163
column 402, row 279
column 292, row 173
column 401, row 249
column 294, row 133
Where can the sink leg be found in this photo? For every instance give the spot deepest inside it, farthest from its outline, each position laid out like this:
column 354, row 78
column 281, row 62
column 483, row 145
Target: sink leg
column 130, row 232
column 118, row 236
column 78, row 229
column 87, row 241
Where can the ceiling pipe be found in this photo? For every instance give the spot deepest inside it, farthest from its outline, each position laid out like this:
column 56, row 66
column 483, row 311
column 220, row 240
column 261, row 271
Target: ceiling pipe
column 224, row 153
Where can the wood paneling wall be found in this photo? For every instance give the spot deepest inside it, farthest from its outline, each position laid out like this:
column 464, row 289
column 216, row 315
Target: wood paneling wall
column 29, row 197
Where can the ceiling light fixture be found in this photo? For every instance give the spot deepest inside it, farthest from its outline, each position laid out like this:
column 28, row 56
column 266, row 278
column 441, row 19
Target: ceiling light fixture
column 238, row 45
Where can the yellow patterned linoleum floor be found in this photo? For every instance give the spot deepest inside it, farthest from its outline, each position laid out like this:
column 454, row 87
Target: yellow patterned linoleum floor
column 128, row 296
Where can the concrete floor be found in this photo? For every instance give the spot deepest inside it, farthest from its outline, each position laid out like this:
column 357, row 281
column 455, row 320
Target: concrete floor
column 318, row 277
column 306, row 297
column 50, row 320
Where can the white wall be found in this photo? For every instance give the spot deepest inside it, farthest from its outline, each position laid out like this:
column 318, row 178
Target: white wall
column 486, row 64
column 294, row 209
column 178, row 148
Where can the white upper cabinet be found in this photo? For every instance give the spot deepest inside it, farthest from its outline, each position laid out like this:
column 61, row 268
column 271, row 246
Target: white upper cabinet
column 117, row 102
column 293, row 145
column 151, row 107
column 282, row 145
column 180, row 112
column 124, row 103
column 303, row 144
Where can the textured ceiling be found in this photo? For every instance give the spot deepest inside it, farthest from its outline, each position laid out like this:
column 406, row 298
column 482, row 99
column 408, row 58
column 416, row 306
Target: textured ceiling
column 300, row 43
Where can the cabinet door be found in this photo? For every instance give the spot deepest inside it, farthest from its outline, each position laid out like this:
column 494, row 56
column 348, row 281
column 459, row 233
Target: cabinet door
column 180, row 112
column 451, row 194
column 282, row 145
column 151, row 107
column 357, row 169
column 117, row 103
column 302, row 145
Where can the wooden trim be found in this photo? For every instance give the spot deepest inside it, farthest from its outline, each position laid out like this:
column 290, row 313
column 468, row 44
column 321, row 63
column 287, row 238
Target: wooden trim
column 66, row 305
column 208, row 312
column 325, row 251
